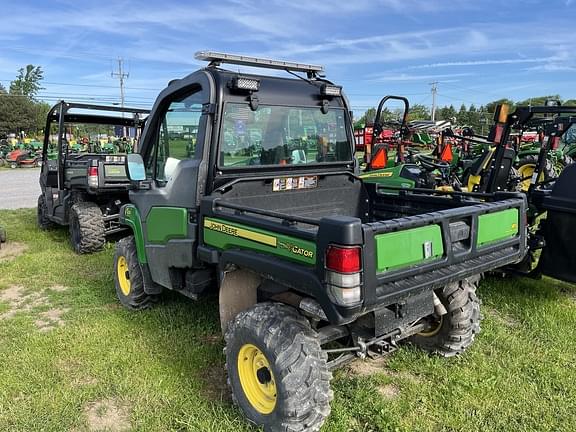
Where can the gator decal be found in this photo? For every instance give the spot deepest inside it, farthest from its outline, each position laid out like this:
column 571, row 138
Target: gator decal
column 130, row 216
column 226, row 235
column 493, row 227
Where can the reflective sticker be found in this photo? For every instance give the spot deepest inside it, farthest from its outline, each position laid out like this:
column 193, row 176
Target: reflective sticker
column 293, row 183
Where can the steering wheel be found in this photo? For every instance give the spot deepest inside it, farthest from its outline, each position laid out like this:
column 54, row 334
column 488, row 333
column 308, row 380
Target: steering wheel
column 428, row 163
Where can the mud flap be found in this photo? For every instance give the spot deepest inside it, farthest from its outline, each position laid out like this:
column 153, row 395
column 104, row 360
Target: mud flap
column 238, row 291
column 558, row 258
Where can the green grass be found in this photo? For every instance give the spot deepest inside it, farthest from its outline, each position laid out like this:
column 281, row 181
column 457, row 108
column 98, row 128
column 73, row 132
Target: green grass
column 165, row 366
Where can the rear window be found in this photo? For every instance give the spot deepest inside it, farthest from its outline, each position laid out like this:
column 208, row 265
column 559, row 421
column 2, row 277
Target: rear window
column 276, row 135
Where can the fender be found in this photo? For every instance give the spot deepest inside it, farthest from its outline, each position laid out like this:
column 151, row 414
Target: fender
column 130, row 216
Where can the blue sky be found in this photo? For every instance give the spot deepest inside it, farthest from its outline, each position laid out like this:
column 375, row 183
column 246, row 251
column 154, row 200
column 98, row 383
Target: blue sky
column 478, row 50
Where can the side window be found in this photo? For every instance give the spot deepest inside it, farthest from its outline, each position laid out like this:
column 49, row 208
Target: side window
column 177, row 136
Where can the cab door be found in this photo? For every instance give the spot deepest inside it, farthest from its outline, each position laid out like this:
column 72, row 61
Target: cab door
column 172, row 151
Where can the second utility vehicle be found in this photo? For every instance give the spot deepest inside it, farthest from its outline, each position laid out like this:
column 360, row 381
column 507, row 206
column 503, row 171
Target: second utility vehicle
column 84, row 186
column 247, row 184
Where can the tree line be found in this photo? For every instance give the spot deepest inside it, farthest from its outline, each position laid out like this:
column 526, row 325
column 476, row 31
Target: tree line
column 20, row 111
column 479, row 118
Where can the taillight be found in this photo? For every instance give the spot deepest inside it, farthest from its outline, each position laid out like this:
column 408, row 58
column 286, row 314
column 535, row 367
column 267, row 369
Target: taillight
column 343, row 260
column 93, row 176
column 344, row 275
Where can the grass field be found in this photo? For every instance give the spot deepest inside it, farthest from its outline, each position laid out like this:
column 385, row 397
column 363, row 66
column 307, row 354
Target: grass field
column 71, row 359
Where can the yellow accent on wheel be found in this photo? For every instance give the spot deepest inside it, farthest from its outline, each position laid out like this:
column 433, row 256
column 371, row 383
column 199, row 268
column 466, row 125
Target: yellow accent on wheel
column 257, row 379
column 123, row 275
column 526, row 171
column 434, row 330
column 473, row 181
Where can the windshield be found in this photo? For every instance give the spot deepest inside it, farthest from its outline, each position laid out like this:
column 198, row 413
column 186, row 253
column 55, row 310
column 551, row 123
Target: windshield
column 275, row 135
column 92, row 138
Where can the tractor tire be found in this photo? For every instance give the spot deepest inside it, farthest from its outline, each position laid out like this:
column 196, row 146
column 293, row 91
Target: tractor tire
column 526, row 167
column 277, row 370
column 129, row 277
column 42, row 219
column 452, row 333
column 87, row 231
column 13, row 165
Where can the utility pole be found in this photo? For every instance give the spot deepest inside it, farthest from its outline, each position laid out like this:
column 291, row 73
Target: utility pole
column 434, row 92
column 121, row 75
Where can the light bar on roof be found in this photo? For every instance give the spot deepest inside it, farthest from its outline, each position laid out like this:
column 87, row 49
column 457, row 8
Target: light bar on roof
column 216, row 57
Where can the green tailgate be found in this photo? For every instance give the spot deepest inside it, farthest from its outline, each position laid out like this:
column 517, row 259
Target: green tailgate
column 493, row 227
column 222, row 234
column 405, row 248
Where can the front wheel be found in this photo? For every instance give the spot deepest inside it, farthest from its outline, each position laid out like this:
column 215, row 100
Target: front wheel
column 277, row 370
column 452, row 333
column 129, row 277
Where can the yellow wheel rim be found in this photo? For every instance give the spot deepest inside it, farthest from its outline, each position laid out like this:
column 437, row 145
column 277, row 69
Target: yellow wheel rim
column 473, row 181
column 527, row 171
column 434, row 330
column 257, row 379
column 123, row 275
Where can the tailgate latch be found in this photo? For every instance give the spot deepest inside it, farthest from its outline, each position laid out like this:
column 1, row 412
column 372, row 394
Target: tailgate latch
column 427, row 249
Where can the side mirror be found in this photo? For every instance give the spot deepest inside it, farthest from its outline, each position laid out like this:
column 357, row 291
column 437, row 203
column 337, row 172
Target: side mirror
column 135, row 167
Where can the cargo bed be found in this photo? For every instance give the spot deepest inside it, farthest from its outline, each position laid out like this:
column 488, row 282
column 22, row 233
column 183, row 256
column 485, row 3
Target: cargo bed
column 411, row 241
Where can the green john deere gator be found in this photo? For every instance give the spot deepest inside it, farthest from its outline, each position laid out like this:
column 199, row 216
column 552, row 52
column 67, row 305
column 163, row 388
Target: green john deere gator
column 246, row 185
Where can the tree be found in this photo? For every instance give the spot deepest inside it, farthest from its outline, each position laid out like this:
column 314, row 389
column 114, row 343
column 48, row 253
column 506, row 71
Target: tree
column 446, row 113
column 19, row 111
column 419, row 112
column 462, row 116
column 491, row 106
column 27, row 83
column 367, row 117
column 538, row 100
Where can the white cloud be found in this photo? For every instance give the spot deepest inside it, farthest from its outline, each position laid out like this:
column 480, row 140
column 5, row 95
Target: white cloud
column 407, row 77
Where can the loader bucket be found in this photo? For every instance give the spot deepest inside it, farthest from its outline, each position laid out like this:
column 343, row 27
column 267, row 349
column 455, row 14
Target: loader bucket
column 558, row 258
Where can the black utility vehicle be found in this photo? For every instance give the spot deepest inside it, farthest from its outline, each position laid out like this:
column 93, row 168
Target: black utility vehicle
column 84, row 184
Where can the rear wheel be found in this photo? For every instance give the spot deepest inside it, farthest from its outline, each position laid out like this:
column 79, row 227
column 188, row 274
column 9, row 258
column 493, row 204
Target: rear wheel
column 452, row 333
column 87, row 231
column 129, row 277
column 42, row 215
column 526, row 168
column 277, row 370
